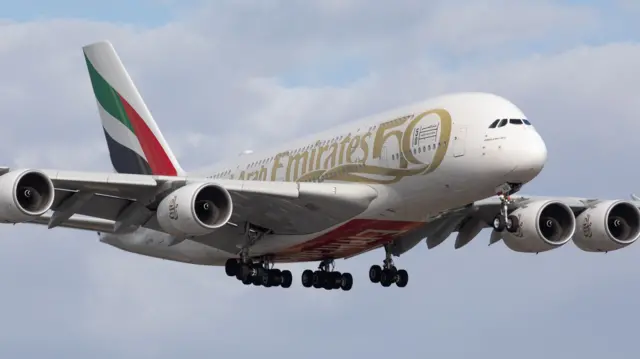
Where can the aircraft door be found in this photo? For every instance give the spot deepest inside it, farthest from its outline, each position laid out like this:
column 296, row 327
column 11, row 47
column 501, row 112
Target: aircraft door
column 459, row 140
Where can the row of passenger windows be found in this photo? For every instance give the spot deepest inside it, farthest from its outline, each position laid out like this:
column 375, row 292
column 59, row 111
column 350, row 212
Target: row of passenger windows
column 514, row 121
column 419, row 149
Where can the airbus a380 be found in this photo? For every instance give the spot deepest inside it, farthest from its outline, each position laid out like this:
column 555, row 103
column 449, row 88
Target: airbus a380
column 447, row 164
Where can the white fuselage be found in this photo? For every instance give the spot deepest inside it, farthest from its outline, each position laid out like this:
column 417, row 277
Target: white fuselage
column 423, row 159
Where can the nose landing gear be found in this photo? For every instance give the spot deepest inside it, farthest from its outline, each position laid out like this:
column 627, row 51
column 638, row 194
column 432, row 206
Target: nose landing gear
column 503, row 220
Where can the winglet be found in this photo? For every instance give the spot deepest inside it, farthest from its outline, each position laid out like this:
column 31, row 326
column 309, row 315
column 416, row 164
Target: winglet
column 634, row 197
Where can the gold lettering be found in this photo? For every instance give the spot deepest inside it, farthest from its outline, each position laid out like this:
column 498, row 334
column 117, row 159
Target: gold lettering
column 262, row 174
column 296, row 165
column 353, row 146
column 364, row 145
column 382, row 135
column 343, row 144
column 276, row 165
column 406, row 139
column 312, row 158
column 332, row 156
column 321, row 150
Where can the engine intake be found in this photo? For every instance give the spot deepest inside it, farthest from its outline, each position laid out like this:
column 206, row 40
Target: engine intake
column 608, row 226
column 543, row 225
column 25, row 194
column 195, row 210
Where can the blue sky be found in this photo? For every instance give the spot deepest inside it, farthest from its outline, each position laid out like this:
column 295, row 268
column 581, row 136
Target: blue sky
column 224, row 76
column 141, row 12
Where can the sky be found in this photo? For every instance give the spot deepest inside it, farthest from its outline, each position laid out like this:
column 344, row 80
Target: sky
column 224, row 76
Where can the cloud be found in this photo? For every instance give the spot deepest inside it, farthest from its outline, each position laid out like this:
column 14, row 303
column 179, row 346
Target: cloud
column 219, row 78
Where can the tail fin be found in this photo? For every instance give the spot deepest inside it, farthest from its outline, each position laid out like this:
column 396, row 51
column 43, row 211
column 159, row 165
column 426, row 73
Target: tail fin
column 135, row 142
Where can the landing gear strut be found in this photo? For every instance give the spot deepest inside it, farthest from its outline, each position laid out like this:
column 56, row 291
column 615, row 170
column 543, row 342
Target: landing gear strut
column 503, row 220
column 388, row 273
column 325, row 277
column 260, row 273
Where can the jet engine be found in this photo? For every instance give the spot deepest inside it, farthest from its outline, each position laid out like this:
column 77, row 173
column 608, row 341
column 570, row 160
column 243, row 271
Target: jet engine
column 543, row 225
column 195, row 210
column 25, row 194
column 607, row 226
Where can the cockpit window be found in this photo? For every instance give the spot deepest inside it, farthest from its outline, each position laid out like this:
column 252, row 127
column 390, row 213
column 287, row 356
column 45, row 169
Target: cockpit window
column 513, row 121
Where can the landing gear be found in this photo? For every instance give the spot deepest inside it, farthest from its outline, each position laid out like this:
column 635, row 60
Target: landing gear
column 259, row 273
column 325, row 277
column 388, row 273
column 503, row 220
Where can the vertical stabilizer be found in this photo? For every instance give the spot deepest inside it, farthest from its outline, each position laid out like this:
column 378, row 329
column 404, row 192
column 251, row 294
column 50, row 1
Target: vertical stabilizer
column 135, row 142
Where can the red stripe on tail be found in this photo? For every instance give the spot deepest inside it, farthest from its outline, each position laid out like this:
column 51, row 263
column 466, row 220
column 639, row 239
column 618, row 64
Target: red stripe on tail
column 154, row 152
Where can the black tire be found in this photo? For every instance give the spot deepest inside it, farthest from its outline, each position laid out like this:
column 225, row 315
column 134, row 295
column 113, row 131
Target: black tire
column 287, row 279
column 375, row 273
column 231, row 267
column 513, row 223
column 266, row 279
column 336, row 280
column 499, row 223
column 403, row 278
column 318, row 279
column 386, row 278
column 307, row 278
column 346, row 281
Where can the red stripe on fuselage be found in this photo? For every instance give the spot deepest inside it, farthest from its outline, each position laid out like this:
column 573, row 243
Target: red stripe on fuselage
column 154, row 152
column 352, row 238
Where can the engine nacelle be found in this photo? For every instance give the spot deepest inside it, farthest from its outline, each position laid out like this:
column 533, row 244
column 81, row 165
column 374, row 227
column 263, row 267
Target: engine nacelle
column 25, row 194
column 607, row 226
column 195, row 210
column 543, row 226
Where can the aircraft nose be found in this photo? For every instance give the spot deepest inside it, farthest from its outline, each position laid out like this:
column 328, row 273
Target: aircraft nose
column 529, row 155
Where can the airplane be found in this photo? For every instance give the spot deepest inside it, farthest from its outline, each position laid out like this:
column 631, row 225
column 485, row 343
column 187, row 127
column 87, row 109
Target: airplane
column 452, row 163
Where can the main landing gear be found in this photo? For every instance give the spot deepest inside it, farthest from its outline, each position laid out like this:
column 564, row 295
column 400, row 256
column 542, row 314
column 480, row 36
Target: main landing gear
column 325, row 277
column 388, row 273
column 261, row 273
column 503, row 220
column 258, row 274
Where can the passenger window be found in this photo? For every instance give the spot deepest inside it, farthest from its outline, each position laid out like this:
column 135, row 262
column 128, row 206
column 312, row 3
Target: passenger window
column 494, row 124
column 502, row 123
column 515, row 121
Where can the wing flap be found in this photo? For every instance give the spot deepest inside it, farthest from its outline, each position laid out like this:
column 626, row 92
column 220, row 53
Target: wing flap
column 79, row 222
column 283, row 207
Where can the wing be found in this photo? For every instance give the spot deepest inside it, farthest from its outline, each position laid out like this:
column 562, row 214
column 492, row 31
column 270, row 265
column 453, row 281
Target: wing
column 111, row 202
column 468, row 221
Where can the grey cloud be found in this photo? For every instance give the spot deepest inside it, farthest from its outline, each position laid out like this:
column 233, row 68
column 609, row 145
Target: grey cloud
column 212, row 80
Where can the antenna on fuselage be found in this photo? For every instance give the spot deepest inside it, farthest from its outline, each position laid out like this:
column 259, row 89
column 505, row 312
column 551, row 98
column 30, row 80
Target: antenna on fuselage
column 245, row 152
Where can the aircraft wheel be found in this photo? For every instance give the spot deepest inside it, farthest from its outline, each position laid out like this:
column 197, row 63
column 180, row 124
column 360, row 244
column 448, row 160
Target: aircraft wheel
column 307, row 278
column 287, row 279
column 318, row 279
column 231, row 267
column 346, row 281
column 402, row 278
column 499, row 223
column 375, row 273
column 513, row 223
column 386, row 278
